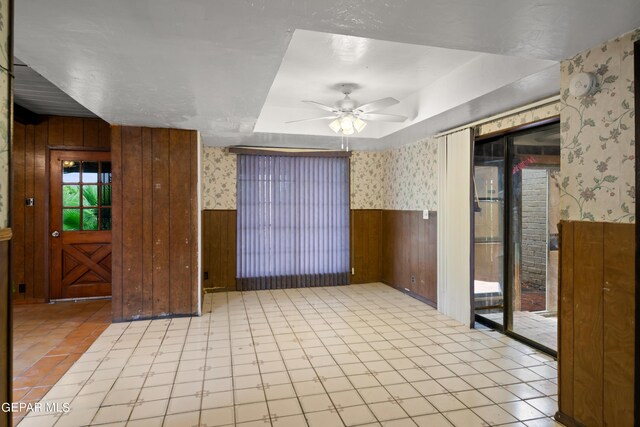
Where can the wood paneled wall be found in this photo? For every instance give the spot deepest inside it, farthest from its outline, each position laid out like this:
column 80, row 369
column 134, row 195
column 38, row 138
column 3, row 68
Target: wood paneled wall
column 219, row 249
column 366, row 245
column 30, row 179
column 155, row 222
column 409, row 250
column 596, row 341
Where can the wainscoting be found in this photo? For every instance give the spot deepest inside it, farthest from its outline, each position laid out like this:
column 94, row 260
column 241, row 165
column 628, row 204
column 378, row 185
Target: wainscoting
column 409, row 253
column 596, row 342
column 31, row 180
column 386, row 246
column 219, row 249
column 155, row 222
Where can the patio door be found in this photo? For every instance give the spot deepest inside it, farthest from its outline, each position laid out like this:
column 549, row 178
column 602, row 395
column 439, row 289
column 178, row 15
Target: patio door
column 517, row 210
column 80, row 224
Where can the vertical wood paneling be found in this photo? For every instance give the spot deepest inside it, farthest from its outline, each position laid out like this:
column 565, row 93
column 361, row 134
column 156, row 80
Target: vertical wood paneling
column 565, row 339
column 147, row 226
column 161, row 236
column 409, row 249
column 18, row 207
column 596, row 353
column 619, row 315
column 179, row 220
column 193, row 238
column 366, row 245
column 157, row 216
column 116, row 223
column 29, row 211
column 219, row 248
column 72, row 134
column 40, row 265
column 132, row 221
column 588, row 339
column 30, row 172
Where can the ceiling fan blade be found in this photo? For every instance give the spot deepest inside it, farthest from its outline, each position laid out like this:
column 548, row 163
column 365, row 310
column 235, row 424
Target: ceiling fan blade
column 382, row 117
column 322, row 106
column 380, row 104
column 310, row 120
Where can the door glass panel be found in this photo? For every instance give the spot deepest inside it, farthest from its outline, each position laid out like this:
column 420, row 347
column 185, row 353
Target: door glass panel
column 534, row 214
column 70, row 195
column 90, row 172
column 70, row 171
column 90, row 219
column 89, row 195
column 70, row 219
column 489, row 230
column 105, row 199
column 105, row 176
column 105, row 219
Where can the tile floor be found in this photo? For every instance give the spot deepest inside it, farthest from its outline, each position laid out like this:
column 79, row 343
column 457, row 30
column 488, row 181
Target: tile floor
column 48, row 339
column 539, row 328
column 361, row 355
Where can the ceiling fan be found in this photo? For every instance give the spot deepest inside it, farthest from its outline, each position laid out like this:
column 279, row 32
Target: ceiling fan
column 348, row 117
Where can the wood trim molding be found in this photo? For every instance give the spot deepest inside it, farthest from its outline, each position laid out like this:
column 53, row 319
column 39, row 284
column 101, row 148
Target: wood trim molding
column 567, row 420
column 5, row 234
column 256, row 151
column 636, row 73
column 523, row 126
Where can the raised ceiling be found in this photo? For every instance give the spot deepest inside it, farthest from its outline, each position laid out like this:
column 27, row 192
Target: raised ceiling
column 426, row 80
column 209, row 65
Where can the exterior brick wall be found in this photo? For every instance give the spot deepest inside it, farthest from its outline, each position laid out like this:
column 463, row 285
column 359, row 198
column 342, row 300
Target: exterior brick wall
column 534, row 227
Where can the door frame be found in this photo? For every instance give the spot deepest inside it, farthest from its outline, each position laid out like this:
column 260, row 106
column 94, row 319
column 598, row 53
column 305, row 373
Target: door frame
column 636, row 73
column 507, row 320
column 47, row 260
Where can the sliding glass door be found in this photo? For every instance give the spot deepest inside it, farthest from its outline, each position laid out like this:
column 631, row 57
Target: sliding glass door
column 516, row 237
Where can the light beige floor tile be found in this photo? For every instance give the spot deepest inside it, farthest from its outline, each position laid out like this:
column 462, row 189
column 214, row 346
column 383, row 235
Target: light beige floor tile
column 356, row 415
column 385, row 411
column 494, row 415
column 316, row 402
column 324, row 419
column 218, row 417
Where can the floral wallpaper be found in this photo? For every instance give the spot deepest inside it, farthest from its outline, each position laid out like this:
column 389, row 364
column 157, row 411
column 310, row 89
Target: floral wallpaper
column 597, row 134
column 367, row 179
column 411, row 173
column 218, row 179
column 4, row 115
column 535, row 114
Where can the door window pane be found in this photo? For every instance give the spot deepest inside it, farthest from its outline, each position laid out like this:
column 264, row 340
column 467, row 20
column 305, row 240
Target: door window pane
column 89, row 195
column 105, row 176
column 90, row 172
column 105, row 219
column 90, row 219
column 106, row 196
column 70, row 171
column 70, row 219
column 70, row 195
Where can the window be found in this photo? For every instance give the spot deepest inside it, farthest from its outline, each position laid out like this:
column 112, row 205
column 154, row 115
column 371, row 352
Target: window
column 86, row 195
column 293, row 221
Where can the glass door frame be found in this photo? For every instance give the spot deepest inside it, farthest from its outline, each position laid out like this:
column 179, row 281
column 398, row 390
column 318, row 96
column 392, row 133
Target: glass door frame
column 507, row 312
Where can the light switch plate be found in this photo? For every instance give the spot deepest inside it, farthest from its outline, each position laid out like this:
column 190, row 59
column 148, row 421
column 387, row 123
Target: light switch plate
column 425, row 214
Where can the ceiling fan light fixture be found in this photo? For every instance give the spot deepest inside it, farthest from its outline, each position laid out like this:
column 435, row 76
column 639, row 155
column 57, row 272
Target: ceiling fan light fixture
column 335, row 125
column 346, row 123
column 348, row 131
column 359, row 124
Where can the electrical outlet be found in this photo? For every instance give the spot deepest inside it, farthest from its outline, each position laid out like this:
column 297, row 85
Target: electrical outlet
column 206, row 275
column 425, row 214
column 22, row 288
column 30, row 201
column 413, row 279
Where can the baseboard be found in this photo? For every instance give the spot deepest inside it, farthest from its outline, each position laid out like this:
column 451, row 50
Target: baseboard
column 413, row 295
column 567, row 420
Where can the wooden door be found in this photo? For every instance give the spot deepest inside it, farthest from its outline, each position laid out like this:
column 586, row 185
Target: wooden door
column 80, row 224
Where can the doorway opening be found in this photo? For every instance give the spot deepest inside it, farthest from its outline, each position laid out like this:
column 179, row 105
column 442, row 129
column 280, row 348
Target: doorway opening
column 517, row 211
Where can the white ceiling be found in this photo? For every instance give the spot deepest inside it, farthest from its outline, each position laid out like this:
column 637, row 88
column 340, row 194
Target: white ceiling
column 427, row 80
column 209, row 65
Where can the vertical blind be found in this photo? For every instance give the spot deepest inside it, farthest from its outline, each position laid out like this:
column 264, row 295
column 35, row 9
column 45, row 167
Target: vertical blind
column 293, row 221
column 454, row 225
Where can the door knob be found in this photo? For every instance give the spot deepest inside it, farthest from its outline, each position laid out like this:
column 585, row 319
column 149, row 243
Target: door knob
column 55, row 233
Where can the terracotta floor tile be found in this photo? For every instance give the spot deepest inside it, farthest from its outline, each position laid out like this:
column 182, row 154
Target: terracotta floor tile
column 48, row 339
